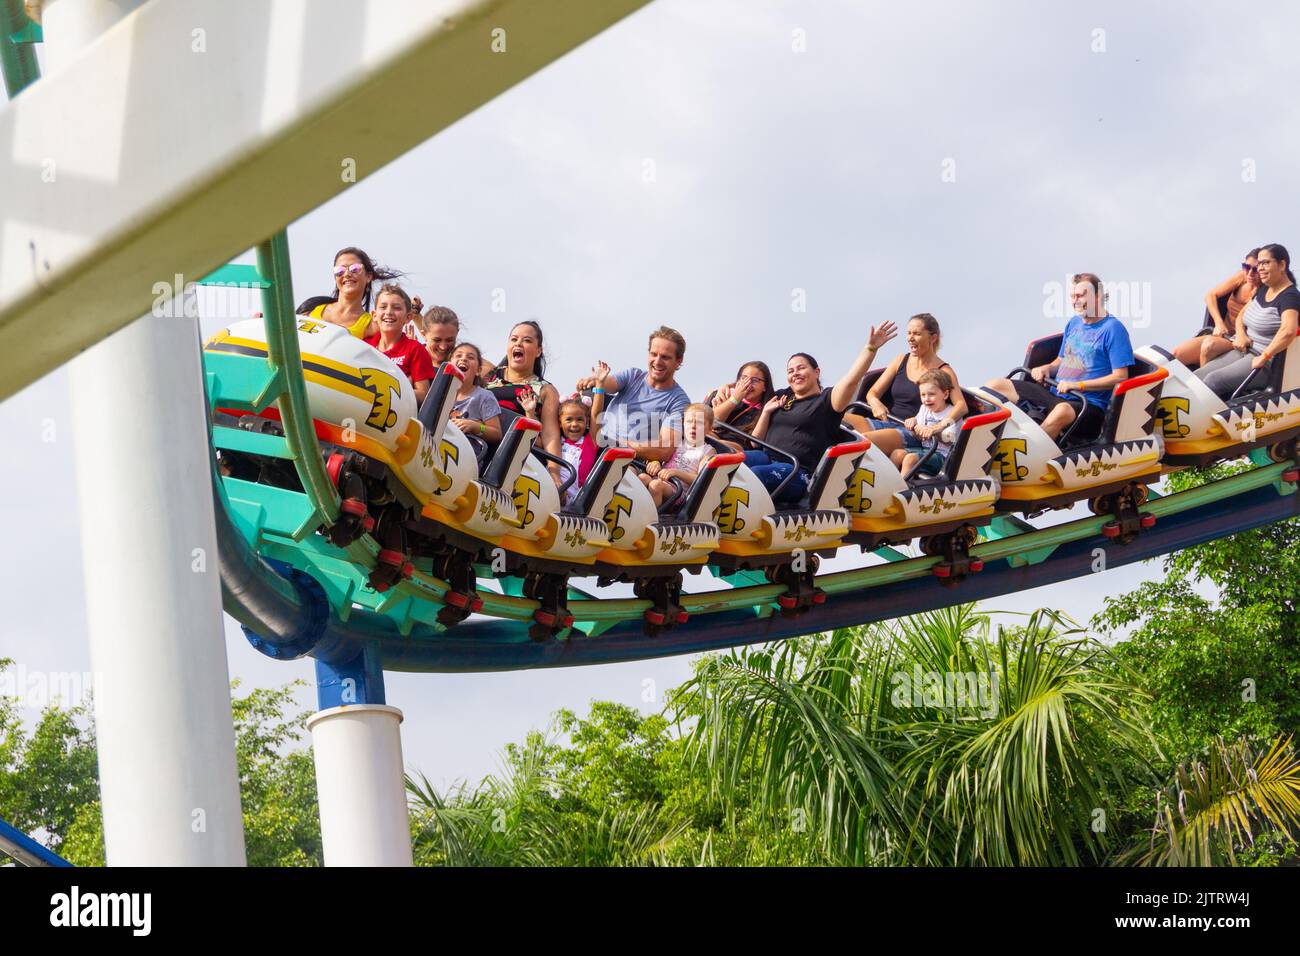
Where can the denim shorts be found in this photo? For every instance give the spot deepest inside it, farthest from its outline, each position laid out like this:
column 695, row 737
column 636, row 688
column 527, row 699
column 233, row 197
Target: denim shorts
column 909, row 437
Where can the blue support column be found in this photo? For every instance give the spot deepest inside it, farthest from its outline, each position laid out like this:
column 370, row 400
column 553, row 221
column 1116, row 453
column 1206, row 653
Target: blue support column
column 359, row 681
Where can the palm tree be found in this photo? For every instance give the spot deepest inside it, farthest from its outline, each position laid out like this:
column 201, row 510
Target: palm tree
column 1010, row 752
column 1218, row 805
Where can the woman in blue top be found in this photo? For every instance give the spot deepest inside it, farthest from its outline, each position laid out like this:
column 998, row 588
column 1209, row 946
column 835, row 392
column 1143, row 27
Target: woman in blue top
column 1095, row 355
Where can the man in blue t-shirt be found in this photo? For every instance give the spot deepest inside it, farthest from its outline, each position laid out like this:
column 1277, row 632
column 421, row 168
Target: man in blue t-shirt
column 646, row 412
column 1095, row 355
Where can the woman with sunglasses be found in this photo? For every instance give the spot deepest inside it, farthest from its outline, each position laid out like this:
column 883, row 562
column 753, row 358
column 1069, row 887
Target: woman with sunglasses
column 1267, row 326
column 349, row 306
column 1230, row 296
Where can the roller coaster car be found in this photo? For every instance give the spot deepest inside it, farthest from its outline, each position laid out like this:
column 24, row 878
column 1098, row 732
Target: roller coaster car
column 943, row 510
column 1110, row 470
column 785, row 543
column 1200, row 428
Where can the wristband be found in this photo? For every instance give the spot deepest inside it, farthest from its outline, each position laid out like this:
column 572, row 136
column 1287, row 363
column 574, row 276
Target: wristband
column 598, row 391
column 482, row 428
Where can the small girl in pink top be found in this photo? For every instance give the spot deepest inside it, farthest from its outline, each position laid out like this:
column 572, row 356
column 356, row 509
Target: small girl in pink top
column 686, row 461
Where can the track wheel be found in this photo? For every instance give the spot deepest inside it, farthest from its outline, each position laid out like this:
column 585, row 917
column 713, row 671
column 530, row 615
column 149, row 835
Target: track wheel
column 387, row 571
column 1283, row 450
column 1102, row 504
column 664, row 594
column 953, row 549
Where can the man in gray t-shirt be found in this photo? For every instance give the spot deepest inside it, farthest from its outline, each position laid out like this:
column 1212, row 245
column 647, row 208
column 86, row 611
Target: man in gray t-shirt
column 646, row 410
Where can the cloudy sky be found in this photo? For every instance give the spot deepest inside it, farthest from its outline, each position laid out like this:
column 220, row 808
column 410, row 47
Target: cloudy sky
column 707, row 164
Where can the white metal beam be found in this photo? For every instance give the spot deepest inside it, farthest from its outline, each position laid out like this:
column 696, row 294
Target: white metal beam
column 195, row 128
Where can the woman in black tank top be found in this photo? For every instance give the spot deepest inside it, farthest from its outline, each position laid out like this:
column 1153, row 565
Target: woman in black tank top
column 897, row 394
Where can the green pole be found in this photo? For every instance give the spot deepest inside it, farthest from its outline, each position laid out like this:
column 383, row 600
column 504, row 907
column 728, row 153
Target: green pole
column 17, row 59
column 282, row 349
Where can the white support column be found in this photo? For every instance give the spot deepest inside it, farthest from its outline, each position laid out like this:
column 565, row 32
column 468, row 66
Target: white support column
column 168, row 780
column 360, row 785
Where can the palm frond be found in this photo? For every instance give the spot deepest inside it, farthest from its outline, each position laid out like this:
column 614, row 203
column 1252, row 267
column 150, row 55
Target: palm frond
column 1217, row 805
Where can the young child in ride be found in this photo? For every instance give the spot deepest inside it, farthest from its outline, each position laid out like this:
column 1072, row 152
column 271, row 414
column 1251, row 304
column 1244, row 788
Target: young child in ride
column 580, row 428
column 476, row 411
column 392, row 312
column 936, row 394
column 686, row 459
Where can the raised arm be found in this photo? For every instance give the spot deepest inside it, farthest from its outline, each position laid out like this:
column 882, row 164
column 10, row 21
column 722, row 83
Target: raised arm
column 598, row 400
column 844, row 390
column 765, row 418
column 599, row 379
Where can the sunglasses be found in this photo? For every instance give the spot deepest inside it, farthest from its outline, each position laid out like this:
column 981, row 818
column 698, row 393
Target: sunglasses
column 355, row 269
column 1247, row 267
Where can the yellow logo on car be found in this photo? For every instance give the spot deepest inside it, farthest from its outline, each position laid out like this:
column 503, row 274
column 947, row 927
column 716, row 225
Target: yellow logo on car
column 855, row 499
column 1167, row 414
column 727, row 515
column 1009, row 467
column 619, row 505
column 526, row 489
column 385, row 387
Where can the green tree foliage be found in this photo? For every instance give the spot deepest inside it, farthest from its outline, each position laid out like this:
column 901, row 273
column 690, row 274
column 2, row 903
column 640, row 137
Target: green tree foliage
column 807, row 753
column 834, row 735
column 277, row 781
column 48, row 775
column 604, row 799
column 1215, row 807
column 1217, row 666
column 49, row 783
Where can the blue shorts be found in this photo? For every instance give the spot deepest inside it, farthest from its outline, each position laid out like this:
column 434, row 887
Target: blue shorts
column 934, row 463
column 909, row 437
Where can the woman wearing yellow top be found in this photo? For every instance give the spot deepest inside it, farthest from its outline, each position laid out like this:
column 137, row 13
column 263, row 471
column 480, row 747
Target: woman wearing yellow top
column 349, row 306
